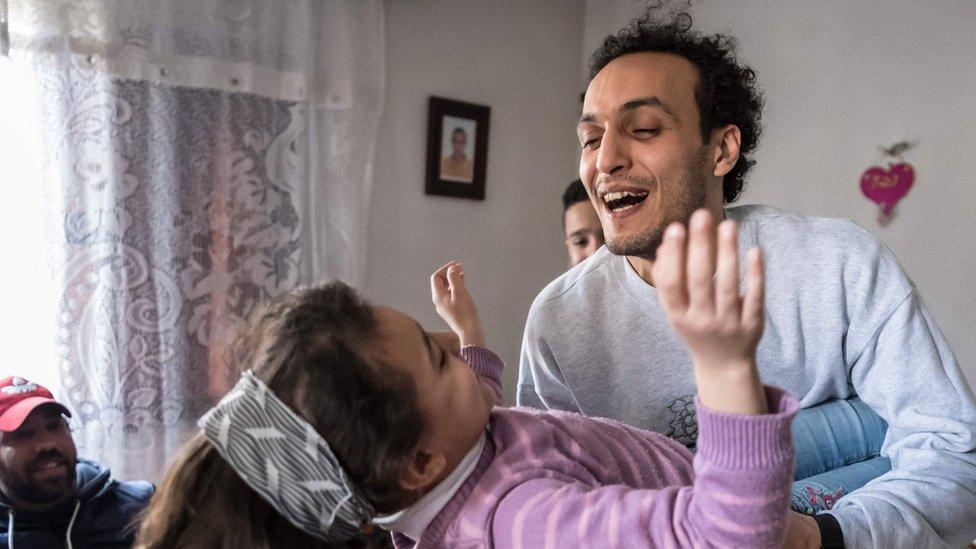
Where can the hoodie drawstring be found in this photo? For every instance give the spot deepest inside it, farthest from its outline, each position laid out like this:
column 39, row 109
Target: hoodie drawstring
column 67, row 535
column 71, row 524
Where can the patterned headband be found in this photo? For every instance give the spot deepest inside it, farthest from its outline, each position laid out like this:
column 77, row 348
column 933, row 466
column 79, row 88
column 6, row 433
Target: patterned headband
column 282, row 458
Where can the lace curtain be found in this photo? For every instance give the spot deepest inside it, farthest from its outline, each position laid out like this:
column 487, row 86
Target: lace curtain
column 197, row 156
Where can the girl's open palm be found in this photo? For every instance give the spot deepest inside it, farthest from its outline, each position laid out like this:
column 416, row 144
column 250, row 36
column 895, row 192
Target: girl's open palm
column 698, row 285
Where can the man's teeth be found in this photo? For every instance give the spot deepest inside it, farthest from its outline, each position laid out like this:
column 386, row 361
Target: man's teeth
column 623, row 200
column 610, row 197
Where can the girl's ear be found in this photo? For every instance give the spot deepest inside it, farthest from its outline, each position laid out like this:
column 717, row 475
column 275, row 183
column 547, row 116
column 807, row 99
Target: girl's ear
column 421, row 470
column 727, row 140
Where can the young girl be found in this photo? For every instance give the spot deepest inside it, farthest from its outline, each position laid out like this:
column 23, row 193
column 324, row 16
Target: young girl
column 354, row 415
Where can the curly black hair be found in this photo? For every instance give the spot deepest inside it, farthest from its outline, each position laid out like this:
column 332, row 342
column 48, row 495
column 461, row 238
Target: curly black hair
column 727, row 92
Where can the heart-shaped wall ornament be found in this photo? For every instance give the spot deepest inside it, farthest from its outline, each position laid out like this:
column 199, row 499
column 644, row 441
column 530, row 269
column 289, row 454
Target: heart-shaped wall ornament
column 887, row 187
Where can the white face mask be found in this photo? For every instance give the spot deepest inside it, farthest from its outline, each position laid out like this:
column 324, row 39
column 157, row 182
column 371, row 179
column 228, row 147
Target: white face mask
column 282, row 458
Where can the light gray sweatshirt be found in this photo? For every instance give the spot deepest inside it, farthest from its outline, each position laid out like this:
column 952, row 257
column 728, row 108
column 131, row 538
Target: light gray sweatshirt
column 841, row 318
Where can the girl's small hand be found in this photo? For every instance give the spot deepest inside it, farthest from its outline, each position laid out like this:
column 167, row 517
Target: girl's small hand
column 699, row 290
column 455, row 305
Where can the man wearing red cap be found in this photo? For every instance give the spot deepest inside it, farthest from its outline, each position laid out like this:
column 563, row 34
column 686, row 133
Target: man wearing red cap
column 49, row 497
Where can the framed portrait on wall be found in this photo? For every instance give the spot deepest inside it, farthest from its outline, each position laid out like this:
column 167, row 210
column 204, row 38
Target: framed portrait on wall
column 457, row 148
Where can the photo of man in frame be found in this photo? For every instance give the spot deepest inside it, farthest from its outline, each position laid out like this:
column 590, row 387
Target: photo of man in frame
column 457, row 141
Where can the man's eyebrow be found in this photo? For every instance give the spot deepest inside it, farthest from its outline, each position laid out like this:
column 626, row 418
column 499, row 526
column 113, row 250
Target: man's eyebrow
column 579, row 232
column 632, row 105
column 586, row 118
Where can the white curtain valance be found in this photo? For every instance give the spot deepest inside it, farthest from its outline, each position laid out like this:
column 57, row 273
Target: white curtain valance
column 324, row 52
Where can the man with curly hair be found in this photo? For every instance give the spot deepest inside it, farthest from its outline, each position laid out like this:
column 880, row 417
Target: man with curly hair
column 670, row 121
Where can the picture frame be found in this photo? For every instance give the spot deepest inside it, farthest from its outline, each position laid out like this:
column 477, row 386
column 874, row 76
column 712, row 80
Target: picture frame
column 457, row 148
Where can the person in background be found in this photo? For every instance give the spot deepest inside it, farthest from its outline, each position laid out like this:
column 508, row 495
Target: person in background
column 48, row 497
column 581, row 226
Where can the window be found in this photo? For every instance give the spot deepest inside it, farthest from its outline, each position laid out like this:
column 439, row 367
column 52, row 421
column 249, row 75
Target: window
column 28, row 289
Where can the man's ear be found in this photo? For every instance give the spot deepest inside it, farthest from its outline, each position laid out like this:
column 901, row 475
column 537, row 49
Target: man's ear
column 727, row 140
column 421, row 469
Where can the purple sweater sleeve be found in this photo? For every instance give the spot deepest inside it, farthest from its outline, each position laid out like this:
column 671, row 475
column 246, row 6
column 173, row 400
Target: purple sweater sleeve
column 743, row 474
column 487, row 365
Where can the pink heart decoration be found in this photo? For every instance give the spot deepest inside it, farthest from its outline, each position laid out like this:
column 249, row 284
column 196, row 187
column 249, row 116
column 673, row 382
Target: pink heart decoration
column 887, row 187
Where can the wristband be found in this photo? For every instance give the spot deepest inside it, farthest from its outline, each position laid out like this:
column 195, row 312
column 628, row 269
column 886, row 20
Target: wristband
column 831, row 536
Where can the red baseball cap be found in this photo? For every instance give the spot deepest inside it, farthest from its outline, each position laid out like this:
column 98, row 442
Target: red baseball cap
column 18, row 398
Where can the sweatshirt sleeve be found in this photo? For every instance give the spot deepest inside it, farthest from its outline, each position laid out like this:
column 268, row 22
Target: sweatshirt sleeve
column 908, row 375
column 487, row 365
column 743, row 473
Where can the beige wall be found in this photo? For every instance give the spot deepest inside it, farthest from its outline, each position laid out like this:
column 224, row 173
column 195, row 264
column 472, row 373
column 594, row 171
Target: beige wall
column 842, row 78
column 521, row 59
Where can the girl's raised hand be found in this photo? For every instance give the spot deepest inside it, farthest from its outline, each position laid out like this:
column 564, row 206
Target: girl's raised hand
column 455, row 305
column 698, row 285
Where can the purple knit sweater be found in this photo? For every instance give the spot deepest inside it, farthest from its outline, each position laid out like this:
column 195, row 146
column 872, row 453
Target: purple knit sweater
column 556, row 479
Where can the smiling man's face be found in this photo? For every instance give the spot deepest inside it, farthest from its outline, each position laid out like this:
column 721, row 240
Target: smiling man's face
column 644, row 163
column 37, row 461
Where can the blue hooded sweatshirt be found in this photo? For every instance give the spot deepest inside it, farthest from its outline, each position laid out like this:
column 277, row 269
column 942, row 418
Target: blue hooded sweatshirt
column 100, row 515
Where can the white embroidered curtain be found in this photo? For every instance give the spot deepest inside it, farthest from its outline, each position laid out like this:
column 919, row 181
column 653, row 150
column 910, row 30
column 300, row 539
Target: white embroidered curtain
column 195, row 157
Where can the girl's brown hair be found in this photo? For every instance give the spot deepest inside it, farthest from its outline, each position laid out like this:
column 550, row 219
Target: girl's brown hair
column 308, row 347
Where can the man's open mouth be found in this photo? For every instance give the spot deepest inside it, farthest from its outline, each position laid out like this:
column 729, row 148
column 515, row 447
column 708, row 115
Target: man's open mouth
column 619, row 201
column 49, row 465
